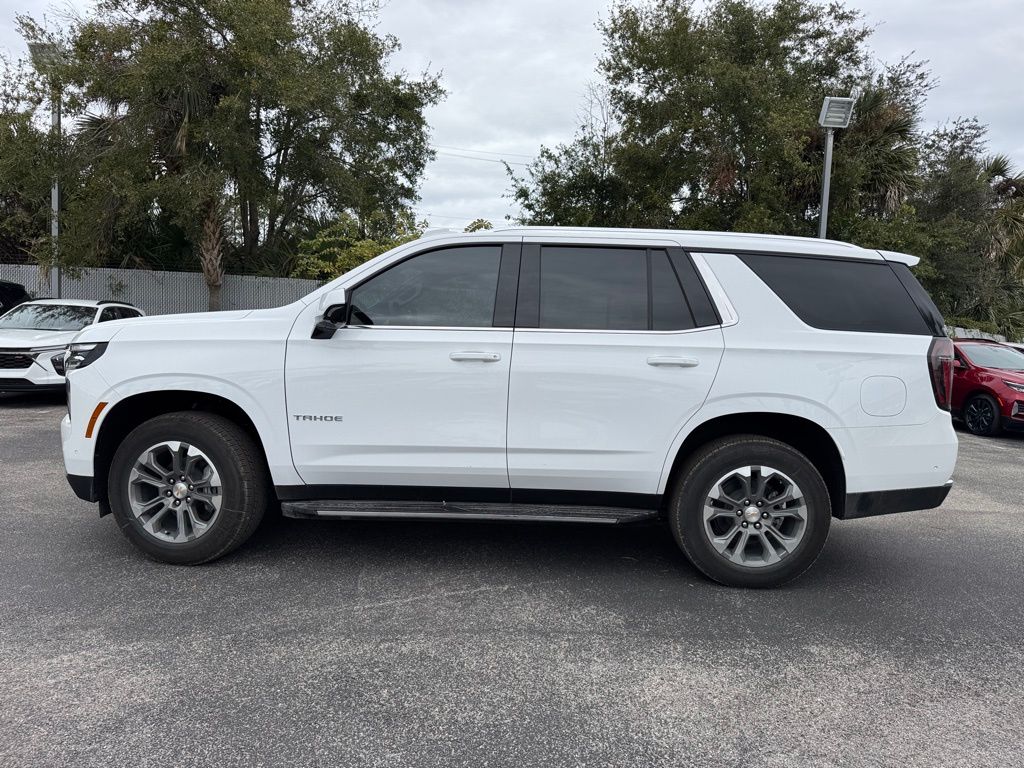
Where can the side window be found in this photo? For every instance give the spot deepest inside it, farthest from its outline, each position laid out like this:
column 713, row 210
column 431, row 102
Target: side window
column 109, row 313
column 669, row 309
column 841, row 294
column 450, row 287
column 127, row 312
column 593, row 288
column 611, row 289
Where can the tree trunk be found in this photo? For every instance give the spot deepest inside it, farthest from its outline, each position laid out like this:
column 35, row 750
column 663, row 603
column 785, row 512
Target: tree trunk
column 211, row 252
column 214, row 305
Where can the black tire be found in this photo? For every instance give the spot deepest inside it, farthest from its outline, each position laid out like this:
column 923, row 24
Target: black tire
column 244, row 484
column 982, row 417
column 697, row 479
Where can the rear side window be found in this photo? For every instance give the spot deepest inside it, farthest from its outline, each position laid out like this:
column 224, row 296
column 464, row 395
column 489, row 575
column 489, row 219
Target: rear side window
column 669, row 309
column 611, row 289
column 841, row 294
column 593, row 288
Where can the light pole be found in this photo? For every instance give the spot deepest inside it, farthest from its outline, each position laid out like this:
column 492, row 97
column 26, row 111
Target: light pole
column 44, row 57
column 835, row 113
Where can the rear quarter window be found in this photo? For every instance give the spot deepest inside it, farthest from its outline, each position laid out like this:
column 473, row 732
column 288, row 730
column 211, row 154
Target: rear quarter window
column 842, row 294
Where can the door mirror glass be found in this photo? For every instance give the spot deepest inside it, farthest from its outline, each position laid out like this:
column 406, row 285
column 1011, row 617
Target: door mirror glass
column 335, row 314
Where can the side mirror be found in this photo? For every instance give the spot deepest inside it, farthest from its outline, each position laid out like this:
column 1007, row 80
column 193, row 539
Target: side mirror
column 958, row 364
column 335, row 314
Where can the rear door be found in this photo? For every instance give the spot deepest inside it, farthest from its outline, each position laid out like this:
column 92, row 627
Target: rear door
column 615, row 348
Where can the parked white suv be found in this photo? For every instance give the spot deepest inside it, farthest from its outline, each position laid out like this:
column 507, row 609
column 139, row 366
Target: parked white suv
column 35, row 335
column 745, row 389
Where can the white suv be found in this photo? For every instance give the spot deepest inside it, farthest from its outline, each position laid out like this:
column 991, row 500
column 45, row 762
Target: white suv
column 745, row 389
column 35, row 335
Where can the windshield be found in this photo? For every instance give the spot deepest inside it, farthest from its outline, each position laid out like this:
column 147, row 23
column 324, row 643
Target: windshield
column 50, row 317
column 993, row 356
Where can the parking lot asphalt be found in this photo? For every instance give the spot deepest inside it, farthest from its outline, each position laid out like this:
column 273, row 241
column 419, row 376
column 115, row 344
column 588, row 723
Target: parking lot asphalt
column 490, row 644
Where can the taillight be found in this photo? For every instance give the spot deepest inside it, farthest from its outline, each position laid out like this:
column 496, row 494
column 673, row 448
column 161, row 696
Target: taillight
column 940, row 368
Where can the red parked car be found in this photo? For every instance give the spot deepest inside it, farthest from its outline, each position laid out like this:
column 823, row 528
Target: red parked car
column 988, row 386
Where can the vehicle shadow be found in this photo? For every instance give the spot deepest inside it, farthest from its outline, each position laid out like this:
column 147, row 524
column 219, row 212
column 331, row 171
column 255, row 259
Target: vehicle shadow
column 31, row 399
column 1012, row 436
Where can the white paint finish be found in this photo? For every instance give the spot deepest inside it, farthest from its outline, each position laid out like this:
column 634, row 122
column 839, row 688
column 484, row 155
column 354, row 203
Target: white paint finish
column 41, row 372
column 603, row 411
column 411, row 414
column 883, row 396
column 772, row 354
column 775, row 363
column 697, row 241
column 587, row 411
column 893, row 458
column 237, row 356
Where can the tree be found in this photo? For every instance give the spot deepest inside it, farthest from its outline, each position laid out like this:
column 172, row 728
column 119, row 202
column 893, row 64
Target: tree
column 710, row 122
column 478, row 224
column 706, row 118
column 225, row 130
column 347, row 243
column 27, row 155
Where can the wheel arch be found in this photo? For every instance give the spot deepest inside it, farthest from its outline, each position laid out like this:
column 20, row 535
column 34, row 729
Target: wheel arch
column 979, row 389
column 806, row 436
column 125, row 415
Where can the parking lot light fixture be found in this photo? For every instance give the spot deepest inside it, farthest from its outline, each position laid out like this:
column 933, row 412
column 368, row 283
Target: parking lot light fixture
column 836, row 112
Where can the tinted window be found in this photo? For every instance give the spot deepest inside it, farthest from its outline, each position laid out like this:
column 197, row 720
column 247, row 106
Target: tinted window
column 593, row 288
column 841, row 294
column 126, row 313
column 924, row 302
column 669, row 310
column 48, row 317
column 994, row 356
column 452, row 287
column 110, row 313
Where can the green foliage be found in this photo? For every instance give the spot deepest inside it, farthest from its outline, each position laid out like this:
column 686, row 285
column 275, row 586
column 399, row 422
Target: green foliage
column 478, row 224
column 706, row 118
column 220, row 130
column 345, row 244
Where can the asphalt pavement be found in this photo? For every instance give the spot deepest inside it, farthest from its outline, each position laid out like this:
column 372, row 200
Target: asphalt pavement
column 497, row 644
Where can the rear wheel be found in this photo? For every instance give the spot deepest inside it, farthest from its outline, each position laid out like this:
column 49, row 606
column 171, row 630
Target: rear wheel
column 188, row 487
column 750, row 511
column 981, row 416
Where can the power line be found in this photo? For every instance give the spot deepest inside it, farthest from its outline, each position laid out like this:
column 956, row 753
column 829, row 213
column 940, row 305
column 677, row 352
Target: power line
column 483, row 159
column 484, row 151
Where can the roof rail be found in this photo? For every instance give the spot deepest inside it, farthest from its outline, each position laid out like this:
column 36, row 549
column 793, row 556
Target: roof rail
column 114, row 301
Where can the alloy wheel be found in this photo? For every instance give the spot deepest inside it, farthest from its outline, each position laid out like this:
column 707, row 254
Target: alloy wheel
column 979, row 415
column 755, row 516
column 175, row 492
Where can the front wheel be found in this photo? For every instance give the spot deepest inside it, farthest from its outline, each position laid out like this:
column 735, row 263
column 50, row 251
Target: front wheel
column 188, row 487
column 981, row 416
column 750, row 511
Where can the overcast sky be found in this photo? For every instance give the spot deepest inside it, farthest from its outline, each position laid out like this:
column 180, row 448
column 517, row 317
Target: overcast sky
column 516, row 70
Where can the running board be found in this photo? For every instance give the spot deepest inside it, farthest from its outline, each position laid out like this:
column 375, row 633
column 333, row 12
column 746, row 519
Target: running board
column 463, row 511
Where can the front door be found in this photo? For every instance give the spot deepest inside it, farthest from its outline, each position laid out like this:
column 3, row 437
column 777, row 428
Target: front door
column 414, row 391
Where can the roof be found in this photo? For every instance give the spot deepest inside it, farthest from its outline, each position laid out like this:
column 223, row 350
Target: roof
column 80, row 302
column 712, row 241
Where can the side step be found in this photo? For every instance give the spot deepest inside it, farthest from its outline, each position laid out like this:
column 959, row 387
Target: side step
column 463, row 511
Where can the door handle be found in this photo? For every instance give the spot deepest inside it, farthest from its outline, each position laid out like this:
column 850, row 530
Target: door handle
column 679, row 362
column 480, row 357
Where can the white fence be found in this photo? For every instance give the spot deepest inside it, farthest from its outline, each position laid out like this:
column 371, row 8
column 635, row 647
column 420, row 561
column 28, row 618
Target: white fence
column 161, row 293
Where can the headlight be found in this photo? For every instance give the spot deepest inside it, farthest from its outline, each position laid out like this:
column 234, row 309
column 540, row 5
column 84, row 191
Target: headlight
column 51, row 349
column 81, row 355
column 1014, row 385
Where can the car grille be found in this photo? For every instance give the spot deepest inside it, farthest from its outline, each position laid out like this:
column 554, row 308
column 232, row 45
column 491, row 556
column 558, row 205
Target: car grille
column 14, row 360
